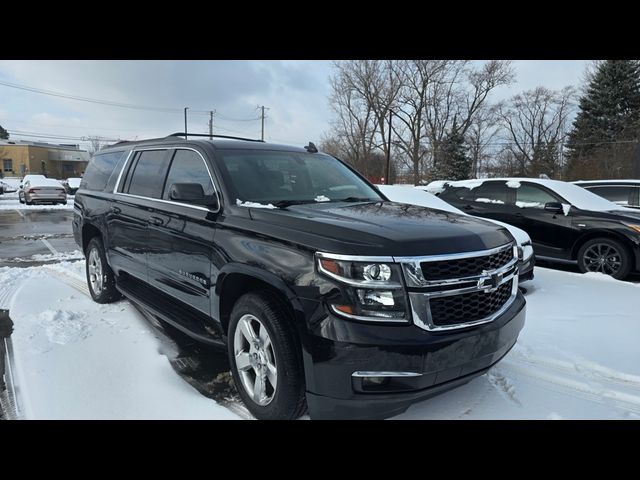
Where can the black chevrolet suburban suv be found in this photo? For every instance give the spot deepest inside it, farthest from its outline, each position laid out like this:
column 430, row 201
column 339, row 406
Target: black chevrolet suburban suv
column 327, row 296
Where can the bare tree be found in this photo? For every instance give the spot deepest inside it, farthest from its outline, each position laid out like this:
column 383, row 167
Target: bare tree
column 484, row 129
column 95, row 144
column 536, row 126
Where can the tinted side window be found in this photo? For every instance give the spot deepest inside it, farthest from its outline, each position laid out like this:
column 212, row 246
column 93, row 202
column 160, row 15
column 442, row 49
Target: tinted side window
column 147, row 176
column 188, row 167
column 457, row 193
column 619, row 195
column 491, row 192
column 532, row 196
column 99, row 170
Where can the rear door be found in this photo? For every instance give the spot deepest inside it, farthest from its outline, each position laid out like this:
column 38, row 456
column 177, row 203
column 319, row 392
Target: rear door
column 141, row 183
column 181, row 235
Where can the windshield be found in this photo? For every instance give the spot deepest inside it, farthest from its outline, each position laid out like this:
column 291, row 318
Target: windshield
column 276, row 177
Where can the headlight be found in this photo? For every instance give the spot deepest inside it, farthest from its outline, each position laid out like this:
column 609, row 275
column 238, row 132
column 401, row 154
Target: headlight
column 373, row 290
column 633, row 227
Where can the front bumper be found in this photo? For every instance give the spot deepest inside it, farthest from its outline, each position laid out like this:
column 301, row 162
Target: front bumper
column 335, row 349
column 525, row 269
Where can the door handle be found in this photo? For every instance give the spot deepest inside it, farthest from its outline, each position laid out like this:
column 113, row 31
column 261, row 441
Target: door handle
column 156, row 221
column 115, row 209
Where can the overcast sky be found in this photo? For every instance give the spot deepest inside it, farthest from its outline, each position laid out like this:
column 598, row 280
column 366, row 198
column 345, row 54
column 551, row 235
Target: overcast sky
column 295, row 92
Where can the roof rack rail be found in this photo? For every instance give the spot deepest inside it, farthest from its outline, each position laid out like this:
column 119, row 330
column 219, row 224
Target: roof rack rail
column 181, row 134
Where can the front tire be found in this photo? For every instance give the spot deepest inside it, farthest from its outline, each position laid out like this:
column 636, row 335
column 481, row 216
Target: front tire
column 100, row 278
column 265, row 358
column 606, row 256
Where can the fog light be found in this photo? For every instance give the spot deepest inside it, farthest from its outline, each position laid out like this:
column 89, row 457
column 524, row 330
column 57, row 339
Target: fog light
column 374, row 381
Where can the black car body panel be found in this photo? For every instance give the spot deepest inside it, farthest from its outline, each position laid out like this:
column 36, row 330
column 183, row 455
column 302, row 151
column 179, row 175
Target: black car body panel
column 555, row 235
column 187, row 263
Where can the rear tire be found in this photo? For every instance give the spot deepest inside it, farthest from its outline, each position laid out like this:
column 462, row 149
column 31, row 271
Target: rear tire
column 100, row 278
column 607, row 256
column 267, row 371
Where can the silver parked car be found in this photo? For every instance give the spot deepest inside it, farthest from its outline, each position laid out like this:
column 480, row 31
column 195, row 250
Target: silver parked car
column 42, row 190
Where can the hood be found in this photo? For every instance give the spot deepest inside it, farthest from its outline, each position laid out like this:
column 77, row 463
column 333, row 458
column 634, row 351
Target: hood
column 382, row 228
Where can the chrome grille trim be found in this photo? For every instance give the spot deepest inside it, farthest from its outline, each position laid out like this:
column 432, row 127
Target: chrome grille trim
column 419, row 300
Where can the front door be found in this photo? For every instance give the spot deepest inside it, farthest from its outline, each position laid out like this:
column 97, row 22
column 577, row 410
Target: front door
column 181, row 236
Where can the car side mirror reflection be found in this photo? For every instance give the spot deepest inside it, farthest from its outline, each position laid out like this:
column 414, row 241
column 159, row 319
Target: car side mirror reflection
column 192, row 193
column 555, row 207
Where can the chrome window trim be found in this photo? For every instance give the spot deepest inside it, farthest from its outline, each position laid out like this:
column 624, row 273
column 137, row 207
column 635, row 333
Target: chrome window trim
column 170, row 202
column 385, row 374
column 406, row 321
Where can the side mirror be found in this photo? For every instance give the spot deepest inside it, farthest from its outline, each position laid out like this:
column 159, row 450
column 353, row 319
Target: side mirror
column 192, row 193
column 555, row 207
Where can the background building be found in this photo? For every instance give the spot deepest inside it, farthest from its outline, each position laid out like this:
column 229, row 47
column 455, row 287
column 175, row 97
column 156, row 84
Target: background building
column 18, row 158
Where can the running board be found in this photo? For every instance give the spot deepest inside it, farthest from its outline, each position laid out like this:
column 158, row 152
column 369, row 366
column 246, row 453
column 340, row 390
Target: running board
column 191, row 323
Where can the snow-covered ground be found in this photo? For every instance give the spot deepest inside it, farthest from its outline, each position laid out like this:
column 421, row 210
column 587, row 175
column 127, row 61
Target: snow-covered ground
column 577, row 357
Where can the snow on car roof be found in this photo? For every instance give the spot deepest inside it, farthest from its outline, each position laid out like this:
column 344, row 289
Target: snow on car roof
column 578, row 182
column 43, row 182
column 573, row 194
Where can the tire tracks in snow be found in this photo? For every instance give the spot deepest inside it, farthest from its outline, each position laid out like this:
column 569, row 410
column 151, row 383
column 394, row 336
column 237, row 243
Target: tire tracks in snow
column 578, row 382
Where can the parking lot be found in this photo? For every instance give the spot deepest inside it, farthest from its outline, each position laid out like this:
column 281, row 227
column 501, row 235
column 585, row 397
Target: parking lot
column 76, row 359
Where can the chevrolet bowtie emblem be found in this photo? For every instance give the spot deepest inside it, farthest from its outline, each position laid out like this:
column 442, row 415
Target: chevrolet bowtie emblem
column 490, row 282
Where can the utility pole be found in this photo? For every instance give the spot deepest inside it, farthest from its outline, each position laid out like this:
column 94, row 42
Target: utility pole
column 262, row 108
column 389, row 149
column 185, row 122
column 211, row 125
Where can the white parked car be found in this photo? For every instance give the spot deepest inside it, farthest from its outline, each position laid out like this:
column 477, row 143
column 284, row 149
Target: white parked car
column 419, row 196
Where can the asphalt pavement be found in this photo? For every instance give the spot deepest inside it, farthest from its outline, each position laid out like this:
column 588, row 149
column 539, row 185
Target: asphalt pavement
column 24, row 233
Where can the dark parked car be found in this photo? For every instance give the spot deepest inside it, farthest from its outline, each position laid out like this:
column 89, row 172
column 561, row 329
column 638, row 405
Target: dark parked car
column 566, row 222
column 625, row 193
column 324, row 293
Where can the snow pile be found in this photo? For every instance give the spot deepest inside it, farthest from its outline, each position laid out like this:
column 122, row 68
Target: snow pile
column 513, row 184
column 240, row 203
column 322, row 198
column 470, row 184
column 529, row 205
column 489, row 200
column 50, row 257
column 435, row 187
column 63, row 327
column 11, row 202
column 566, row 208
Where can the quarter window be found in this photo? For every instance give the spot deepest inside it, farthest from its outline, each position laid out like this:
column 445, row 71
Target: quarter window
column 188, row 167
column 148, row 174
column 99, row 170
column 532, row 196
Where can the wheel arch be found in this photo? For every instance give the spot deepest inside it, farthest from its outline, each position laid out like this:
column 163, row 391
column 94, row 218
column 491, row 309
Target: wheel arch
column 234, row 280
column 603, row 234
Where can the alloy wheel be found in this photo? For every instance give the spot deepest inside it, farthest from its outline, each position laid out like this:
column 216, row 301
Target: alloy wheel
column 95, row 271
column 603, row 258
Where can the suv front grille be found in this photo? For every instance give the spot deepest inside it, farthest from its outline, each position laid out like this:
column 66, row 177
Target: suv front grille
column 466, row 267
column 468, row 307
column 454, row 291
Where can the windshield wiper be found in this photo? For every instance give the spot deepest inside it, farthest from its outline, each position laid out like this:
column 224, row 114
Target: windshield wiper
column 288, row 203
column 357, row 199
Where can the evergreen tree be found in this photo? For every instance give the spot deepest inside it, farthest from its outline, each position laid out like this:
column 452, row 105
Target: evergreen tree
column 608, row 122
column 4, row 135
column 455, row 162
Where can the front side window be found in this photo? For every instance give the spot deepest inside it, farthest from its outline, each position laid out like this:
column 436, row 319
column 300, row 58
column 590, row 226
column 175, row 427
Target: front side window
column 532, row 196
column 278, row 176
column 146, row 177
column 188, row 167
